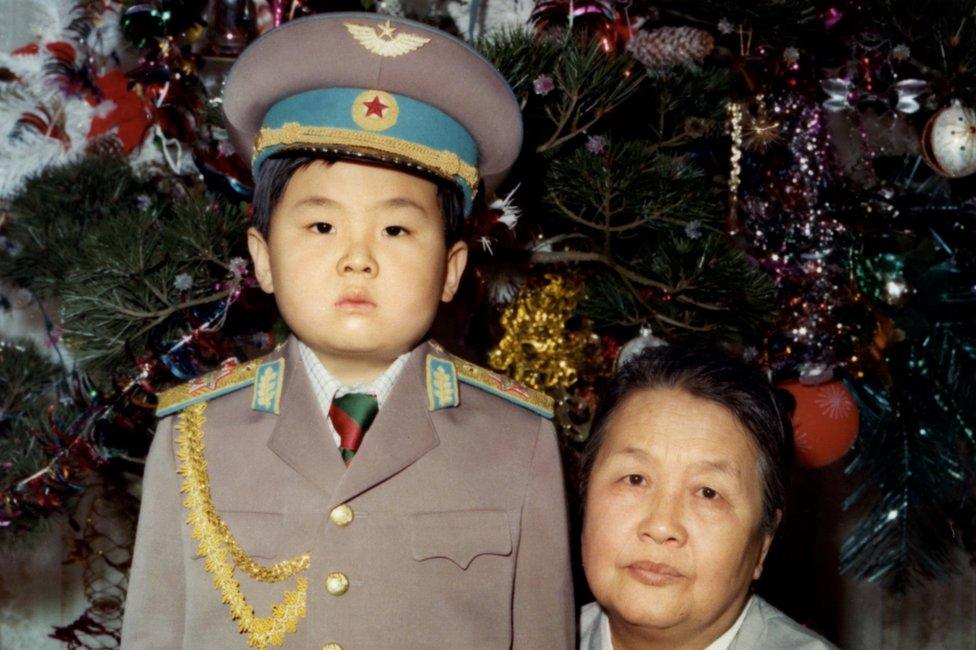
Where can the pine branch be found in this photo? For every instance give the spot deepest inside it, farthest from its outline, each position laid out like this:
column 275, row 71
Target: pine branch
column 912, row 474
column 27, row 385
column 55, row 209
column 122, row 289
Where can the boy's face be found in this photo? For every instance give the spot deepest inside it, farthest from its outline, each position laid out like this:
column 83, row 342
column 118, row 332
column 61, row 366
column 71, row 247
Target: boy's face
column 357, row 261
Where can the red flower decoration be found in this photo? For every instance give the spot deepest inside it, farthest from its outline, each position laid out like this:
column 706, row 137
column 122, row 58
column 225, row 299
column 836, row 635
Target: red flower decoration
column 130, row 117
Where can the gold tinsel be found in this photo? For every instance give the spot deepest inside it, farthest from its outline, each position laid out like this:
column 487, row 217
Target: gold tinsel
column 215, row 541
column 537, row 349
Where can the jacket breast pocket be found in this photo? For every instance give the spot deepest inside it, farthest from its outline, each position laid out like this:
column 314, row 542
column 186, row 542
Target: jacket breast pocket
column 257, row 533
column 460, row 536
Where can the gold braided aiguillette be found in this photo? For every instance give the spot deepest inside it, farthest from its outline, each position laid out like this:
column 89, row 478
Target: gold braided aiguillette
column 214, row 540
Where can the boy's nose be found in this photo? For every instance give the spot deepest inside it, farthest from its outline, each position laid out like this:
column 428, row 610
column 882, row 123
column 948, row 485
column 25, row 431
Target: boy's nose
column 357, row 261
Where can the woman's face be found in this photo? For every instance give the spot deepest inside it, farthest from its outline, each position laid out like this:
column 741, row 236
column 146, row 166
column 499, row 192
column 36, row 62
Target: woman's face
column 671, row 536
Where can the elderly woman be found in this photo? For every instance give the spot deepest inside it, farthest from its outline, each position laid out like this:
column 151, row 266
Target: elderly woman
column 684, row 485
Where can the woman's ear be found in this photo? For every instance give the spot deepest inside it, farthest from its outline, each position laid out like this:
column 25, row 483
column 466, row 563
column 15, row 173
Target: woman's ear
column 457, row 259
column 767, row 541
column 260, row 255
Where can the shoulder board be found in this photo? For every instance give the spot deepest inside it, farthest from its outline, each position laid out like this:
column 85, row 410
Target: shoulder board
column 504, row 387
column 267, row 377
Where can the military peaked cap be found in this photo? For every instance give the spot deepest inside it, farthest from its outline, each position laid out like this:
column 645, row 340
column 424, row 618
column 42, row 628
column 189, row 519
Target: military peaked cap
column 376, row 87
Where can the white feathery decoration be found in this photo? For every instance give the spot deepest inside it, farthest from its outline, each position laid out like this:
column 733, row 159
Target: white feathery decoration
column 510, row 212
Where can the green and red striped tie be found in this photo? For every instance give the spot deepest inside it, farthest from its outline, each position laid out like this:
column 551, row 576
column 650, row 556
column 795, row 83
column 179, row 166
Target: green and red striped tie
column 351, row 415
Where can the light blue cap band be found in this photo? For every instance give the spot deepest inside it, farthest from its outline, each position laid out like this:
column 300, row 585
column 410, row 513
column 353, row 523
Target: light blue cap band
column 375, row 125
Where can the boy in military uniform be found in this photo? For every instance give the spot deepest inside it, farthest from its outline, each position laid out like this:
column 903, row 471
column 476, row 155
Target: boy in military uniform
column 360, row 487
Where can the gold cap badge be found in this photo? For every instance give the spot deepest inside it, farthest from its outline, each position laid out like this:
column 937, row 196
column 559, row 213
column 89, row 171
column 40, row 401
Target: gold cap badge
column 382, row 41
column 375, row 110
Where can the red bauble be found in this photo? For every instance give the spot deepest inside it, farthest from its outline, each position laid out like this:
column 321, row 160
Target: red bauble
column 825, row 422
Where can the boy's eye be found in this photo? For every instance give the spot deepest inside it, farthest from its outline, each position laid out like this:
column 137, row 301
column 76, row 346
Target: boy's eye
column 323, row 228
column 395, row 231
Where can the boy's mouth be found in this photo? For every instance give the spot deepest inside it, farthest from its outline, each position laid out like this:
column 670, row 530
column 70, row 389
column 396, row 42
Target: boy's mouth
column 354, row 301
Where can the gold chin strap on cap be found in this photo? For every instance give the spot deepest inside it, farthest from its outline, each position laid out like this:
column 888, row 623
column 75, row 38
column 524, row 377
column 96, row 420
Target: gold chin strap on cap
column 443, row 163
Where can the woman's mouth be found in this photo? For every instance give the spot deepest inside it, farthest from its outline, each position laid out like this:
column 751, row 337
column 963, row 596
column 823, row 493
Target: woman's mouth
column 654, row 574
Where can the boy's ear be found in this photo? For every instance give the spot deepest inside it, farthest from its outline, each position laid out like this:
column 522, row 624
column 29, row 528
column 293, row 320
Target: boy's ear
column 258, row 247
column 457, row 259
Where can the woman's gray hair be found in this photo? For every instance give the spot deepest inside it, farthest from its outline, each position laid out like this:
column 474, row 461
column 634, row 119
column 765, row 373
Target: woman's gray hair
column 759, row 407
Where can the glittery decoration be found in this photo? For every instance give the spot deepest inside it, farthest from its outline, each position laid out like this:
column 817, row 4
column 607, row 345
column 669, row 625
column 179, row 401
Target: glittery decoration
column 735, row 157
column 543, row 85
column 215, row 541
column 537, row 348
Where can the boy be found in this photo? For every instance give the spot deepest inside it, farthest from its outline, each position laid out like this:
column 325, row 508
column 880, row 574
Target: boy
column 309, row 517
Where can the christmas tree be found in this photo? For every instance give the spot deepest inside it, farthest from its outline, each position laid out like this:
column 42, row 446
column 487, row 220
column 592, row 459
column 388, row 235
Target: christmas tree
column 791, row 181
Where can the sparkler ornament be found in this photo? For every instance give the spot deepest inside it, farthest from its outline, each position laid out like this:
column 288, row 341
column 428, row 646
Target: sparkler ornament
column 735, row 158
column 761, row 131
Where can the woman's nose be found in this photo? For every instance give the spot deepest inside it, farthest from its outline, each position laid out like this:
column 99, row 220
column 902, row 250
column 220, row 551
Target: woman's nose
column 663, row 520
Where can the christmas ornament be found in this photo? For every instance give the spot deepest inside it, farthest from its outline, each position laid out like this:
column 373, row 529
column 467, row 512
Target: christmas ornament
column 760, row 130
column 543, row 85
column 645, row 340
column 949, row 141
column 548, row 13
column 735, row 155
column 129, row 115
column 825, row 422
column 509, row 212
column 537, row 349
column 667, row 47
column 908, row 92
column 104, row 551
column 390, row 7
column 838, row 94
column 901, row 52
column 486, row 17
column 233, row 24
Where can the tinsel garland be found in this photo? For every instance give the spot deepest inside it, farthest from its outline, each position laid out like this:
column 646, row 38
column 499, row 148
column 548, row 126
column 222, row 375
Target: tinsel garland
column 537, row 349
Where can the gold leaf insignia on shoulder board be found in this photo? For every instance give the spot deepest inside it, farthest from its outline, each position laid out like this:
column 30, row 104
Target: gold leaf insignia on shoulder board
column 382, row 41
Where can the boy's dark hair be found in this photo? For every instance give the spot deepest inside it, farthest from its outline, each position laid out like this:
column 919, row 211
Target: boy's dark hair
column 276, row 171
column 710, row 375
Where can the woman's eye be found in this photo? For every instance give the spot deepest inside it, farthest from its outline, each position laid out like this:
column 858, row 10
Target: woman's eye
column 635, row 479
column 709, row 493
column 323, row 228
column 394, row 231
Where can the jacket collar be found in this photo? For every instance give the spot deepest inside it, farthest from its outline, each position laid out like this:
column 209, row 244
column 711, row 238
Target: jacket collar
column 401, row 433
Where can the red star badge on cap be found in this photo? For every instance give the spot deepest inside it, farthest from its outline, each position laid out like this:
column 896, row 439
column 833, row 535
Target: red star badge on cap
column 375, row 107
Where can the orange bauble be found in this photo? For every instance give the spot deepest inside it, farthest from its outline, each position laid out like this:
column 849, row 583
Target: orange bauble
column 825, row 422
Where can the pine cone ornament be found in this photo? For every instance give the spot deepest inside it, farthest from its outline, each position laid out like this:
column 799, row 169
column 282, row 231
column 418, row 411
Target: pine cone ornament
column 666, row 47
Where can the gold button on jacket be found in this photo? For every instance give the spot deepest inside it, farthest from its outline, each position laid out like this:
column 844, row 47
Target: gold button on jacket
column 336, row 583
column 341, row 515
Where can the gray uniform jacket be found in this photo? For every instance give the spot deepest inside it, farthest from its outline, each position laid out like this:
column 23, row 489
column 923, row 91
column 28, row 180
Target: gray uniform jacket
column 458, row 536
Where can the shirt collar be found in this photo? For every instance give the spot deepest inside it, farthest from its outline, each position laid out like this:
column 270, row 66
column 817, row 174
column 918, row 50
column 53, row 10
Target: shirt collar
column 725, row 641
column 327, row 387
column 595, row 629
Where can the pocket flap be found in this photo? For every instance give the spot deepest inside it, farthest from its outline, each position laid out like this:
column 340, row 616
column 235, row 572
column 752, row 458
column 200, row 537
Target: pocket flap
column 257, row 533
column 461, row 535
